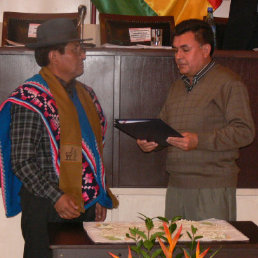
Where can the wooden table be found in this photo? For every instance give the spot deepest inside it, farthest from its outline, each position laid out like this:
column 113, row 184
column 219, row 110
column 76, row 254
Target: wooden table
column 69, row 240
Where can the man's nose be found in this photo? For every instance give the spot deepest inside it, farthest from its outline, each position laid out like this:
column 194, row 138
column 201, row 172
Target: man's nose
column 178, row 54
column 83, row 54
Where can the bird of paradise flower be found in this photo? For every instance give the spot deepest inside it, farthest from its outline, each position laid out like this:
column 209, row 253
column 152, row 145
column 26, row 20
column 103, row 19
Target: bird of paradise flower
column 168, row 251
column 198, row 255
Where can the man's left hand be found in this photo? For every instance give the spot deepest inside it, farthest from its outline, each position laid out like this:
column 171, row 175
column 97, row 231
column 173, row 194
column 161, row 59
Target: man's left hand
column 100, row 212
column 188, row 142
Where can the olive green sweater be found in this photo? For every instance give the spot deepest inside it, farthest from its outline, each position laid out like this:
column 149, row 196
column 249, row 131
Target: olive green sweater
column 218, row 110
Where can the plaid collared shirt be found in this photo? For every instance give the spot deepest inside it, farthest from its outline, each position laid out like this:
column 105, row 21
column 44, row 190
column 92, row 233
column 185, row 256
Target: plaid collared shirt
column 31, row 155
column 189, row 86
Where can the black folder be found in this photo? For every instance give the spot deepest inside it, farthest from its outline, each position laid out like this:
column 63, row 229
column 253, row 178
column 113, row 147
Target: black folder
column 147, row 129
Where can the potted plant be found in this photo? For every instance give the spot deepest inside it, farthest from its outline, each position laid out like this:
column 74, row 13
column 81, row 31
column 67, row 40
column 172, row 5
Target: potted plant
column 145, row 242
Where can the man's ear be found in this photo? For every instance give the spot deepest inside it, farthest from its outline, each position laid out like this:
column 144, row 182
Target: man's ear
column 52, row 55
column 206, row 48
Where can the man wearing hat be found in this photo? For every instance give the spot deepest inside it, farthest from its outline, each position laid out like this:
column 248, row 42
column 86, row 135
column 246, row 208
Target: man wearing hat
column 51, row 137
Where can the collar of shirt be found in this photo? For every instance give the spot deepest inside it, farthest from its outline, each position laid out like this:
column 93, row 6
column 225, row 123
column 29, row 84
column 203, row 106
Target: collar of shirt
column 69, row 86
column 197, row 77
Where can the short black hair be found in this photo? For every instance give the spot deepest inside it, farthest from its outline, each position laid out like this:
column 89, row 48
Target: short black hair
column 41, row 54
column 202, row 31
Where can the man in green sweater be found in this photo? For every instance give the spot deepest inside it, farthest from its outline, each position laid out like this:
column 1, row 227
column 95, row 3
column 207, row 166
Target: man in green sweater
column 209, row 105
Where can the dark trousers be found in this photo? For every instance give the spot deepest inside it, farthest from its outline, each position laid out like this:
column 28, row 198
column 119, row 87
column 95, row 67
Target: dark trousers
column 36, row 213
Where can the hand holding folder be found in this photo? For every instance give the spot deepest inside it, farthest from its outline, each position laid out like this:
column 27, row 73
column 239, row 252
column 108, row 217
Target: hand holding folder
column 154, row 130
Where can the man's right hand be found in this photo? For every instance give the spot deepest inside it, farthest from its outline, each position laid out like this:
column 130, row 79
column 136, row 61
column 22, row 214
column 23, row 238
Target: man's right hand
column 66, row 207
column 146, row 146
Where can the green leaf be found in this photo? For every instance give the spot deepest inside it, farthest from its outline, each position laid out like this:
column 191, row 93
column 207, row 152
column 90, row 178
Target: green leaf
column 157, row 253
column 148, row 244
column 149, row 223
column 143, row 215
column 176, row 218
column 142, row 234
column 190, row 236
column 197, row 237
column 144, row 254
column 136, row 231
column 193, row 229
column 133, row 231
column 164, row 238
column 172, row 227
column 157, row 234
column 135, row 249
column 129, row 236
column 163, row 219
column 140, row 243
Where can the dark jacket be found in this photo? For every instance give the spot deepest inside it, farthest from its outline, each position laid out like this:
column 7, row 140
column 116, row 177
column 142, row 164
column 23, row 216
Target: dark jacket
column 242, row 27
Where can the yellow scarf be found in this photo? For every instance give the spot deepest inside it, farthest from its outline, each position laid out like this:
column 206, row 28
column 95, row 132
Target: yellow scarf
column 70, row 178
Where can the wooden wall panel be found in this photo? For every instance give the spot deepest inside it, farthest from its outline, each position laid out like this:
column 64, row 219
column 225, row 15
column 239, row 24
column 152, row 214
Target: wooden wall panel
column 247, row 68
column 134, row 84
column 145, row 81
column 15, row 69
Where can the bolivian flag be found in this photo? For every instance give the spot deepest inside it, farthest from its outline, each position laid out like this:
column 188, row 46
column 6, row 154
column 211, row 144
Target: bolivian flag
column 180, row 9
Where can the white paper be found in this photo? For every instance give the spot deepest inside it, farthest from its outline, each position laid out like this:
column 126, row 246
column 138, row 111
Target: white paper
column 140, row 34
column 32, row 31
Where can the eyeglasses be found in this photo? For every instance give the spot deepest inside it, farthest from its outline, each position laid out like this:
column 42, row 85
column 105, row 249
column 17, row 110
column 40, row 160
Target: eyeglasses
column 77, row 48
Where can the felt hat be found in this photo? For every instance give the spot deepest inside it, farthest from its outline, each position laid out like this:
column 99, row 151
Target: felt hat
column 55, row 31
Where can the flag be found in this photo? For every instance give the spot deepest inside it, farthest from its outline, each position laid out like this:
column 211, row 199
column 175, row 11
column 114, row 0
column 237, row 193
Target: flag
column 180, row 9
column 215, row 3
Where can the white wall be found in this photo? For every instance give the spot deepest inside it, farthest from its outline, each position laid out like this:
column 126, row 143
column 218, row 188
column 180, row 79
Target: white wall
column 11, row 241
column 43, row 6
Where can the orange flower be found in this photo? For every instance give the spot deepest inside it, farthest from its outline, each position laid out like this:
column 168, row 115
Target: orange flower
column 172, row 242
column 129, row 254
column 114, row 256
column 186, row 255
column 198, row 255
